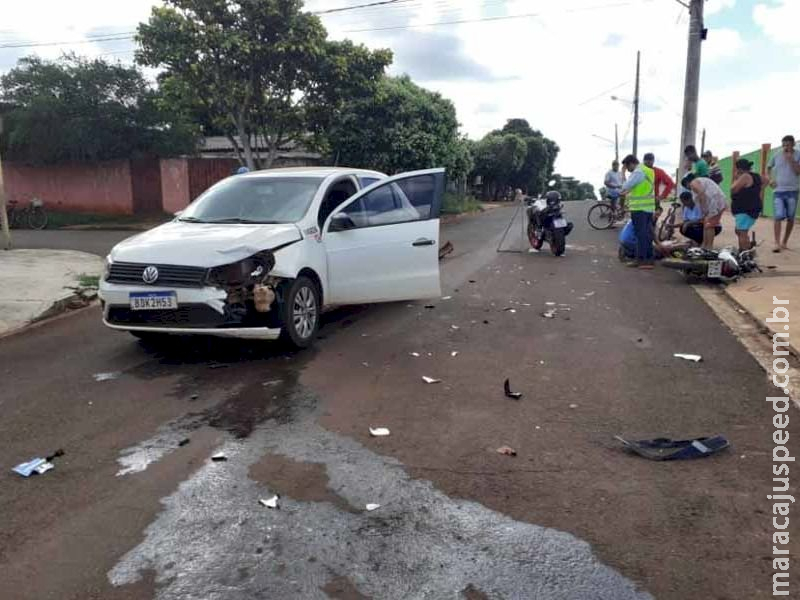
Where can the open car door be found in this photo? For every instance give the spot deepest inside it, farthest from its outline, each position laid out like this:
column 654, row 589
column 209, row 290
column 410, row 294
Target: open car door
column 383, row 243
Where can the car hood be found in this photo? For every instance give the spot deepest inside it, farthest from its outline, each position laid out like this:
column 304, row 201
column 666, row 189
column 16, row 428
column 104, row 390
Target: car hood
column 202, row 244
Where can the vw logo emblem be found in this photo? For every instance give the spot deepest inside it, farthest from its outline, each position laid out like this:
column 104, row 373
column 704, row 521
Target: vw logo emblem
column 150, row 275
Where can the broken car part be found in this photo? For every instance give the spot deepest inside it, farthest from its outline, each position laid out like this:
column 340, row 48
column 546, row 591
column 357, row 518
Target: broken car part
column 506, row 451
column 691, row 357
column 509, row 393
column 271, row 502
column 430, row 379
column 668, row 449
column 379, row 431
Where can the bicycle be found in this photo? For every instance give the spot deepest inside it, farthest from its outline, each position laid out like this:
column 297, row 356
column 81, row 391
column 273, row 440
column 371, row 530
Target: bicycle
column 604, row 215
column 33, row 215
column 666, row 231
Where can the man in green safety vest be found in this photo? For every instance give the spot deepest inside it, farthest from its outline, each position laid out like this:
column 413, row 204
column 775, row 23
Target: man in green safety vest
column 639, row 192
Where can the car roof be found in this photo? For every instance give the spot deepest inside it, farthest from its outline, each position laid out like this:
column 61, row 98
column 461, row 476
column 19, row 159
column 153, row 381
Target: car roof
column 316, row 172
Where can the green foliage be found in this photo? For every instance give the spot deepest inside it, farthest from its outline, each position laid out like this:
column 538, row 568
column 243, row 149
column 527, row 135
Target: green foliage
column 257, row 69
column 498, row 157
column 75, row 109
column 455, row 204
column 572, row 189
column 535, row 168
column 401, row 127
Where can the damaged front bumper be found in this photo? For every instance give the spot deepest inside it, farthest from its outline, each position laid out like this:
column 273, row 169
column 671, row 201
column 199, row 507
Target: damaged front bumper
column 200, row 311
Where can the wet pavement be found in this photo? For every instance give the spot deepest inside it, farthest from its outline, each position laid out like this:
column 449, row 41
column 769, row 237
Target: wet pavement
column 137, row 509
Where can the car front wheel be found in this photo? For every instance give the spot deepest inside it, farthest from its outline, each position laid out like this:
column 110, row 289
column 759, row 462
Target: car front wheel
column 300, row 313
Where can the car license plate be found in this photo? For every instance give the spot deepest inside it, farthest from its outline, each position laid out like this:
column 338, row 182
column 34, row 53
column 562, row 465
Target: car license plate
column 559, row 223
column 715, row 268
column 153, row 300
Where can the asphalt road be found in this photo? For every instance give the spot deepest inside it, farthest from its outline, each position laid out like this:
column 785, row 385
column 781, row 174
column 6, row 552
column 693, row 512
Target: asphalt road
column 132, row 513
column 94, row 242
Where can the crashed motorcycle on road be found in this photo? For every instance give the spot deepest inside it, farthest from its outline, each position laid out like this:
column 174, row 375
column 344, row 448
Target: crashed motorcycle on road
column 713, row 265
column 547, row 223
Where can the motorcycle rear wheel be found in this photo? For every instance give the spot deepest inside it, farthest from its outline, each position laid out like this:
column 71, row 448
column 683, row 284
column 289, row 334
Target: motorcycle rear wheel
column 558, row 242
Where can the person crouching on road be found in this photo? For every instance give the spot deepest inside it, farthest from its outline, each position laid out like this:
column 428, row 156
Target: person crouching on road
column 712, row 203
column 692, row 219
column 745, row 201
column 639, row 195
column 628, row 240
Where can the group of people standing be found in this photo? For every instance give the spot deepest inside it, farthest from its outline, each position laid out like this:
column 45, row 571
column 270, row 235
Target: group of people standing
column 703, row 200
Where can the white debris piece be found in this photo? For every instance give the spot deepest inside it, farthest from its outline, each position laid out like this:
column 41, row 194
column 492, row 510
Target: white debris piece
column 106, row 376
column 270, row 503
column 414, row 354
column 371, row 507
column 219, row 457
column 692, row 357
column 573, row 406
column 430, row 379
column 454, row 353
column 550, row 303
column 379, row 431
column 549, row 314
column 455, row 327
column 590, row 293
column 447, row 297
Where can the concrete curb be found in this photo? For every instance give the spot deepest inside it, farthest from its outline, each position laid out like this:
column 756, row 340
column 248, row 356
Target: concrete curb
column 59, row 310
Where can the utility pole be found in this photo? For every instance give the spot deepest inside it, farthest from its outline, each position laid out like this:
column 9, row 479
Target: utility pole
column 616, row 142
column 636, row 108
column 691, row 90
column 3, row 213
column 703, row 142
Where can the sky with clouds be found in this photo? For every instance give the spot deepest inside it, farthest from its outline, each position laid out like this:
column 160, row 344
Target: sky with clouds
column 556, row 64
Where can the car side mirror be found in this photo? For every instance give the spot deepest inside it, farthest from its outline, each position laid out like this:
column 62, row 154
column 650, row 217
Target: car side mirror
column 341, row 222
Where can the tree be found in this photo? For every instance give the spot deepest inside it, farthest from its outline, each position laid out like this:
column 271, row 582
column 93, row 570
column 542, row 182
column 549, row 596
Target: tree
column 262, row 70
column 498, row 157
column 540, row 156
column 76, row 109
column 401, row 127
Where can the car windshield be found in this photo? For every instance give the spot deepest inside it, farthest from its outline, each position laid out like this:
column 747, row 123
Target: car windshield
column 254, row 200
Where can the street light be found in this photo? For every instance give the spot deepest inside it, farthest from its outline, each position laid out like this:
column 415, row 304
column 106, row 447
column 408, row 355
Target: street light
column 615, row 141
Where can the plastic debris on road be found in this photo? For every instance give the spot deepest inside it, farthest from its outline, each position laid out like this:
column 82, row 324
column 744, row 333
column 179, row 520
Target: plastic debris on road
column 691, row 357
column 379, row 431
column 430, row 379
column 271, row 502
column 447, row 297
column 506, row 451
column 455, row 327
column 37, row 466
column 454, row 353
column 509, row 393
column 107, row 376
column 414, row 354
column 371, row 507
column 668, row 449
column 549, row 314
column 573, row 406
column 509, row 309
column 549, row 303
column 219, row 457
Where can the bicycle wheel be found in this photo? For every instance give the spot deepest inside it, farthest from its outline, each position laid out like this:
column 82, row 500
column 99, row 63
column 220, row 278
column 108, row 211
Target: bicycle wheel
column 37, row 218
column 665, row 231
column 601, row 216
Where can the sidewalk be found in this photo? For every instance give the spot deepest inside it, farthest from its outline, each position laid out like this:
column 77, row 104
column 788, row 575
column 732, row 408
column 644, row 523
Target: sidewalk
column 35, row 283
column 781, row 276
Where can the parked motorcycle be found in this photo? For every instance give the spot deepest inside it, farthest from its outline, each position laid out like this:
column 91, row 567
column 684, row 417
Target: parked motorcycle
column 714, row 265
column 547, row 223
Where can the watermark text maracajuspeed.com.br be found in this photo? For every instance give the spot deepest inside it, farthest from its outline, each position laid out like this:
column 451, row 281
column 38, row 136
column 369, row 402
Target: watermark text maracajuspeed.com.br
column 781, row 457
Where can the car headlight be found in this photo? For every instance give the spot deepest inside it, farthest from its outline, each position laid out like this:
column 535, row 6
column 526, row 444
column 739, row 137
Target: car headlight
column 248, row 271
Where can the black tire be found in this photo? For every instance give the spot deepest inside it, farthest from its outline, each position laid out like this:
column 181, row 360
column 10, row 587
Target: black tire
column 536, row 243
column 300, row 313
column 558, row 243
column 601, row 216
column 37, row 218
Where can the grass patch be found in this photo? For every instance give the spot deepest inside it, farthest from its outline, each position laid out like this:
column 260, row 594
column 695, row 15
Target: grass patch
column 57, row 220
column 89, row 281
column 453, row 204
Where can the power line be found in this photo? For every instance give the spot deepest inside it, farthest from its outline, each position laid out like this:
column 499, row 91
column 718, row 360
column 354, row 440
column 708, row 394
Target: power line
column 87, row 40
column 357, row 6
column 601, row 94
column 485, row 19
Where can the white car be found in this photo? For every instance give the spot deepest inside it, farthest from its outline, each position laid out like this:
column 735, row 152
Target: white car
column 260, row 255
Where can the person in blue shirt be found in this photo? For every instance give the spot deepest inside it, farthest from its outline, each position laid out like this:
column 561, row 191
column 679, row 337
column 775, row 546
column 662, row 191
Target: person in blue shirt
column 627, row 239
column 692, row 225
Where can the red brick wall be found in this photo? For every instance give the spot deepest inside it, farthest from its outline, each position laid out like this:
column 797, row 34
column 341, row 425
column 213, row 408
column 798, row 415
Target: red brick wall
column 146, row 182
column 175, row 184
column 205, row 172
column 97, row 188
